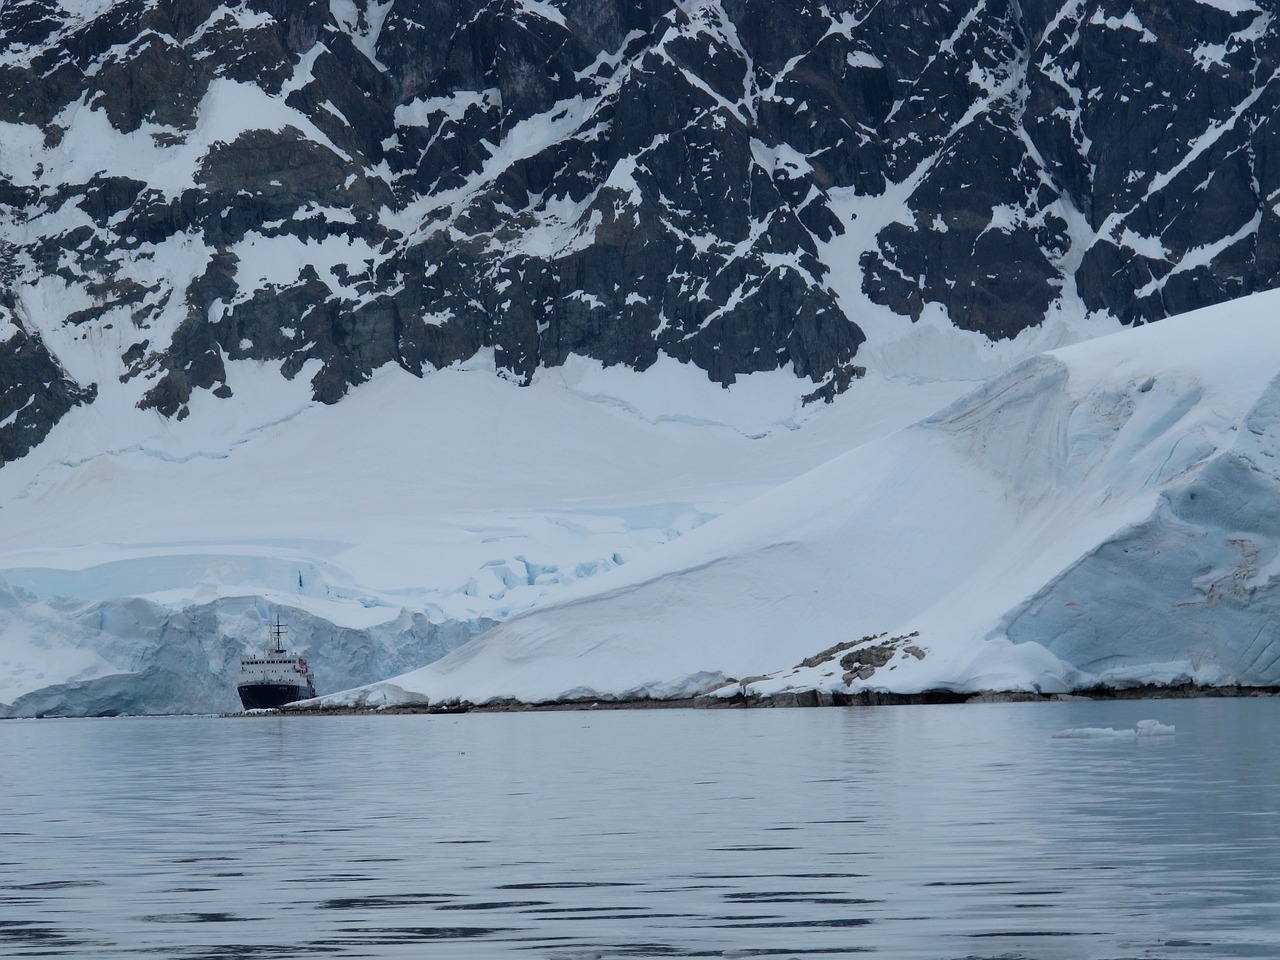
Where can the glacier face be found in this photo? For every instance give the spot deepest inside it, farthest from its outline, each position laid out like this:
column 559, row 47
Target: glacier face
column 1193, row 582
column 134, row 656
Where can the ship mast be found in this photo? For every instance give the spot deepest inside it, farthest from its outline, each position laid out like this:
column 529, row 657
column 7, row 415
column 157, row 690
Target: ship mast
column 277, row 631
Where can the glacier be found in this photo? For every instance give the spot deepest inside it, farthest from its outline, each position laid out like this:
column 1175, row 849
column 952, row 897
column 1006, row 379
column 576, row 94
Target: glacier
column 1100, row 515
column 142, row 556
column 1095, row 514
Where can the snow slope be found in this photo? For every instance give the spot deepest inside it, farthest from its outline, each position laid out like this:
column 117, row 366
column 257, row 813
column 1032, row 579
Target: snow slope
column 1105, row 512
column 142, row 556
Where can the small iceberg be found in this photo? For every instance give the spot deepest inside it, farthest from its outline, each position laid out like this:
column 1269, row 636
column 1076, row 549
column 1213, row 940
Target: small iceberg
column 1145, row 728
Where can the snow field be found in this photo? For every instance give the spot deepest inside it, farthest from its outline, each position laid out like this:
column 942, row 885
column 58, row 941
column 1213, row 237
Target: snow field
column 966, row 531
column 627, row 548
column 983, row 546
column 457, row 499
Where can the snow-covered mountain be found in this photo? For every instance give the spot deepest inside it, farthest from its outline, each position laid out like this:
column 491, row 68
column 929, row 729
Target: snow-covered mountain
column 732, row 184
column 413, row 316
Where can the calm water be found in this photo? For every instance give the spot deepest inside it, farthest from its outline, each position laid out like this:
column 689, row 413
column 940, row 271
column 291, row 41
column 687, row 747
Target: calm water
column 903, row 832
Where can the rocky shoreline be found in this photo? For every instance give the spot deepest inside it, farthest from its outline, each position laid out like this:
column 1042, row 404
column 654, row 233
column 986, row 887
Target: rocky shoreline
column 800, row 698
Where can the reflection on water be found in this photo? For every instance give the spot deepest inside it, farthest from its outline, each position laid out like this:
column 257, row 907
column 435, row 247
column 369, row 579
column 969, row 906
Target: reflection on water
column 946, row 833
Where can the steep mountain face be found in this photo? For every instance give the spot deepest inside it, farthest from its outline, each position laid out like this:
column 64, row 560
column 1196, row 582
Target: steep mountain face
column 740, row 184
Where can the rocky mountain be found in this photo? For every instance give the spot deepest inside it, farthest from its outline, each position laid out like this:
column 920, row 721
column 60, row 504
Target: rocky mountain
column 739, row 184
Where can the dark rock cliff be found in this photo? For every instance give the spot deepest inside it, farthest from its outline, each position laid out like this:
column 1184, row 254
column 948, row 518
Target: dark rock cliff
column 335, row 187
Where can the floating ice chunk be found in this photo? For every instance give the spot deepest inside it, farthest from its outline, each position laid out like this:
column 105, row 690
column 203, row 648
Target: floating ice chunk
column 1092, row 733
column 1145, row 728
column 1154, row 728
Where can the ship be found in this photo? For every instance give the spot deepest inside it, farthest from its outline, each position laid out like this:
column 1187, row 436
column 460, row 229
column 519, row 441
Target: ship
column 276, row 678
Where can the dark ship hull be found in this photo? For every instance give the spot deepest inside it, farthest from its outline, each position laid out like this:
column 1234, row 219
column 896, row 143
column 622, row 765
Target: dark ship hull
column 266, row 696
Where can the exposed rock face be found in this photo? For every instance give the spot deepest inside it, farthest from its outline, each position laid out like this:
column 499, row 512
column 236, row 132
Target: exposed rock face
column 722, row 181
column 34, row 390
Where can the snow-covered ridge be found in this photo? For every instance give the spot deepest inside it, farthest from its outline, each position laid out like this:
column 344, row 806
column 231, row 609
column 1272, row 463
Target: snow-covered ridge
column 1102, row 514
